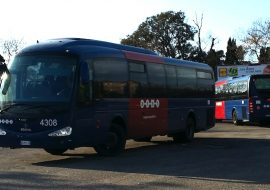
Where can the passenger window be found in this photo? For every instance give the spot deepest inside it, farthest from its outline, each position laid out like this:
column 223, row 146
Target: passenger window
column 204, row 75
column 157, row 80
column 110, row 76
column 171, row 79
column 186, row 82
column 138, row 84
column 205, row 84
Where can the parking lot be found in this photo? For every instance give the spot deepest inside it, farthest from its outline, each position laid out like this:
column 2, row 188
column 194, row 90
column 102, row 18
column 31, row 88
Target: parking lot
column 224, row 157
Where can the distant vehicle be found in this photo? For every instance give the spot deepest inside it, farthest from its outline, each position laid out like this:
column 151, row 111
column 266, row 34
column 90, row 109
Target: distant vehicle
column 69, row 93
column 243, row 99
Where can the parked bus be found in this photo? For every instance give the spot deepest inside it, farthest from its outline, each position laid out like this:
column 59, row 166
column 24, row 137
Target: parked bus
column 67, row 93
column 243, row 99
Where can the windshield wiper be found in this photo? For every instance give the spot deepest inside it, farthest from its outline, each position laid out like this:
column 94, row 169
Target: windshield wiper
column 30, row 106
column 8, row 106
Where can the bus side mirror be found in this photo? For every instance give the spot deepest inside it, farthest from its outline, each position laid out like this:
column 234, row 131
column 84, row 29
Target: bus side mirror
column 2, row 60
column 5, row 77
column 6, row 84
column 3, row 68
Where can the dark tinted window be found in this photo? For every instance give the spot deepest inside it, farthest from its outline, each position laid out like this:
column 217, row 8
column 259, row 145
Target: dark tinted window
column 137, row 67
column 186, row 82
column 110, row 77
column 41, row 78
column 260, row 86
column 157, row 80
column 171, row 78
column 138, row 84
column 262, row 83
column 85, row 87
column 205, row 84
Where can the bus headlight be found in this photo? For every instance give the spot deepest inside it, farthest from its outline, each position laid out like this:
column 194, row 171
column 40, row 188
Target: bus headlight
column 2, row 132
column 61, row 132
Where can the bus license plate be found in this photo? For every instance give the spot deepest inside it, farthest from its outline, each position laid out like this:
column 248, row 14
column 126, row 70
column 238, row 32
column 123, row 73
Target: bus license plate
column 25, row 143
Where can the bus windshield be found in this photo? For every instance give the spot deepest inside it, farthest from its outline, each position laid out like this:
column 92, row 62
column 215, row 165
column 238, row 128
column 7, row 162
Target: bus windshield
column 40, row 78
column 262, row 84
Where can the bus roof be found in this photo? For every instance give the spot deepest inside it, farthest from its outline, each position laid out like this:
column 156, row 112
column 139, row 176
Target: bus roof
column 63, row 44
column 187, row 63
column 80, row 45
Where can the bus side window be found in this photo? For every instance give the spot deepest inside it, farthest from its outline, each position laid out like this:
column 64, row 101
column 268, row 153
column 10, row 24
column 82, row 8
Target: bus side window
column 138, row 84
column 187, row 80
column 242, row 89
column 205, row 84
column 171, row 81
column 157, row 80
column 110, row 78
column 85, row 86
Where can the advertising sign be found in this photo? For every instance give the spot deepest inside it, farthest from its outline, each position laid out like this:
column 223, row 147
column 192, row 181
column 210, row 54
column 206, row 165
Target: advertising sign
column 240, row 70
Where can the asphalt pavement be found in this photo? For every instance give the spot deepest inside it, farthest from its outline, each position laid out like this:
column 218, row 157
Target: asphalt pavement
column 224, row 157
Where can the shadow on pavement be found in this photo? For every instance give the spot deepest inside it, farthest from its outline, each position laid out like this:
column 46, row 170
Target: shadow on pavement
column 226, row 159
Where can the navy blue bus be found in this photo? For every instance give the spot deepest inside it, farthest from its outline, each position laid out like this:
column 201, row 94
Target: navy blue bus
column 67, row 93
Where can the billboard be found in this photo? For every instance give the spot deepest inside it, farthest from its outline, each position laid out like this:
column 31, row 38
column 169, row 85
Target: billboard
column 240, row 70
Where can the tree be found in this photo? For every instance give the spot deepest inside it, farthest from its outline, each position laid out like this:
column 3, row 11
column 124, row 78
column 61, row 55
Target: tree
column 235, row 54
column 198, row 54
column 240, row 54
column 166, row 33
column 214, row 57
column 231, row 57
column 11, row 47
column 199, row 29
column 257, row 37
column 264, row 55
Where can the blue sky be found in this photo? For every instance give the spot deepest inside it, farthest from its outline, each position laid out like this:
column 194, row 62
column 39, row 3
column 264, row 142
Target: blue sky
column 112, row 20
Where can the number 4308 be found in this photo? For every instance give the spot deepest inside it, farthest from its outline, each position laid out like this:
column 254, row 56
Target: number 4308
column 48, row 122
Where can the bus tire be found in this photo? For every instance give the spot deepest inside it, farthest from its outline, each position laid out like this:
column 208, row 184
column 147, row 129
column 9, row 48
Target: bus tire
column 235, row 119
column 115, row 143
column 188, row 134
column 55, row 151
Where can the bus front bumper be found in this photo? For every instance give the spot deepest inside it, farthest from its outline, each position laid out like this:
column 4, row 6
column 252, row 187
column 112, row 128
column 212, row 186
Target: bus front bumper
column 34, row 140
column 260, row 118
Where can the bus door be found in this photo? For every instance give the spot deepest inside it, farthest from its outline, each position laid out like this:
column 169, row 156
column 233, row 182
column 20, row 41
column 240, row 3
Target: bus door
column 85, row 121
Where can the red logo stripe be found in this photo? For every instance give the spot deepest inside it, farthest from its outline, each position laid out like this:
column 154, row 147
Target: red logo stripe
column 143, row 57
